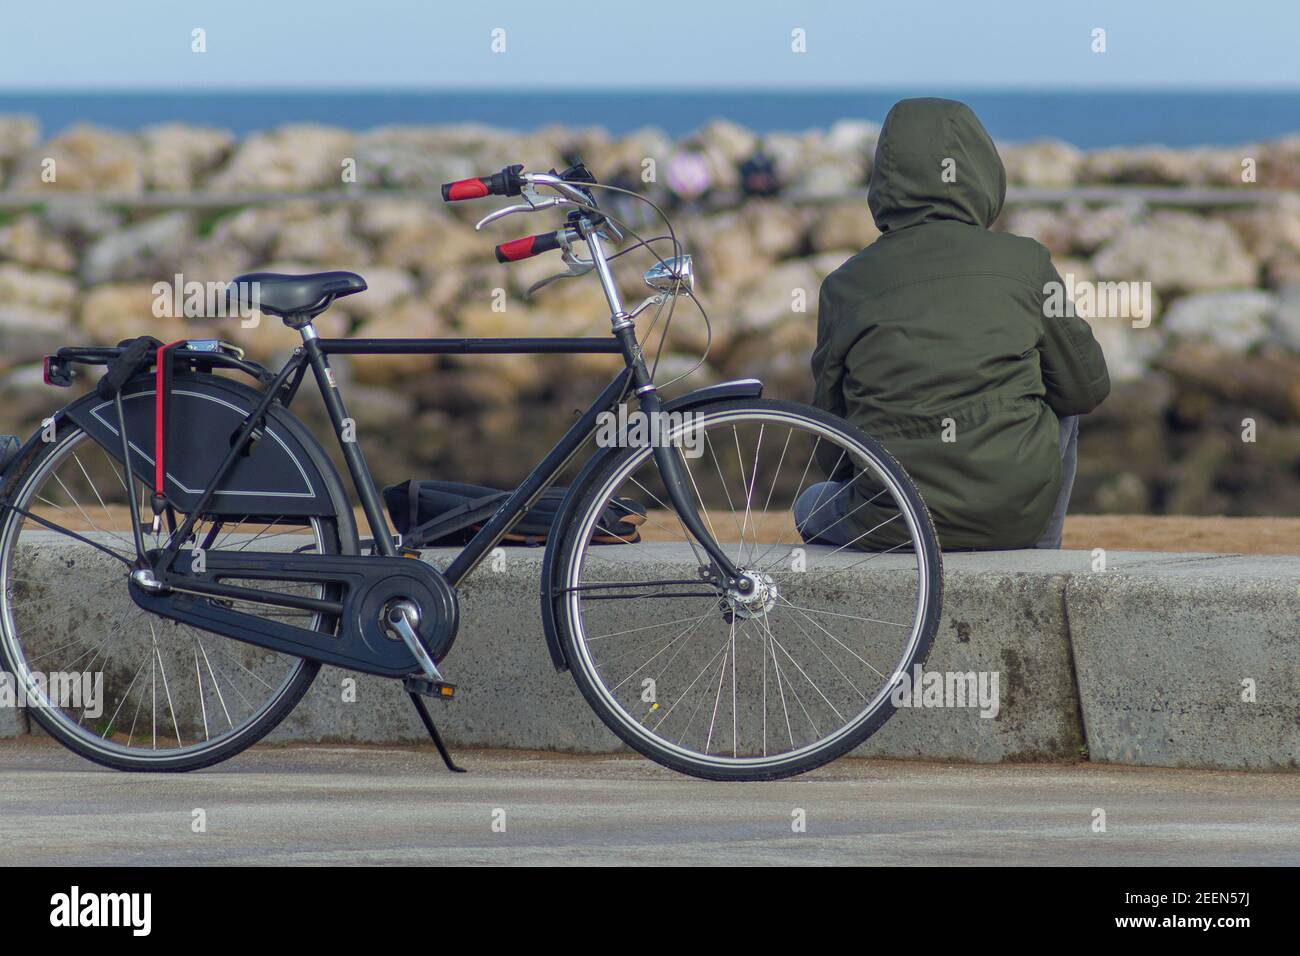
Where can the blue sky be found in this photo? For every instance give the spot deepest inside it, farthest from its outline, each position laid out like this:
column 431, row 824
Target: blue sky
column 369, row 44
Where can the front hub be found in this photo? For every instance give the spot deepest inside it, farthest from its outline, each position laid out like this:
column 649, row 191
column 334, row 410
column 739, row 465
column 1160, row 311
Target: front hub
column 755, row 597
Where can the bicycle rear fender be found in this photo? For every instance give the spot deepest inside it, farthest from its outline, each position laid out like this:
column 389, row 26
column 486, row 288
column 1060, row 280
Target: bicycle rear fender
column 723, row 391
column 286, row 472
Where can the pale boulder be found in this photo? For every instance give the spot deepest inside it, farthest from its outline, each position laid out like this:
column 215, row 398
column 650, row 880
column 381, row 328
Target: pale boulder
column 1271, row 234
column 786, row 294
column 27, row 332
column 1137, row 165
column 845, row 225
column 82, row 159
column 379, row 219
column 735, row 248
column 385, row 288
column 115, row 311
column 409, row 318
column 724, row 144
column 1128, row 350
column 80, row 223
column 1093, row 226
column 17, row 135
column 1287, row 318
column 824, row 263
column 1050, row 226
column 1176, row 251
column 1043, row 164
column 30, row 242
column 288, row 159
column 780, row 359
column 321, row 239
column 1279, row 163
column 809, row 165
column 257, row 229
column 1222, row 167
column 432, row 243
column 177, row 157
column 153, row 249
column 25, row 399
column 1237, row 321
column 415, row 157
column 640, row 153
column 778, row 231
column 516, row 375
column 36, row 288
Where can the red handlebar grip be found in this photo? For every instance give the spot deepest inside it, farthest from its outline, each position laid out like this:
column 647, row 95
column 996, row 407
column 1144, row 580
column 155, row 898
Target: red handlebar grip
column 527, row 247
column 465, row 189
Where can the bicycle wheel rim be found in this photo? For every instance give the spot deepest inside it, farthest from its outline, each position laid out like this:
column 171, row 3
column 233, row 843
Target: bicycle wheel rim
column 877, row 705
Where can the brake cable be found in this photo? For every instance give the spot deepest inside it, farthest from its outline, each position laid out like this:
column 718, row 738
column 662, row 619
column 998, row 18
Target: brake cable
column 677, row 252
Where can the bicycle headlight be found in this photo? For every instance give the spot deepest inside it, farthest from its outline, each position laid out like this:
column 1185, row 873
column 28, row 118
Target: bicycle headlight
column 671, row 274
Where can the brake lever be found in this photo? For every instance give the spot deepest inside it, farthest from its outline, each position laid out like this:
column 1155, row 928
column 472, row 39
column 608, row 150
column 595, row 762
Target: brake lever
column 576, row 267
column 533, row 201
column 519, row 207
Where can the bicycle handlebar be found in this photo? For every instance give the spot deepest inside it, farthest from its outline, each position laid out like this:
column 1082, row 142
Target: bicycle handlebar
column 529, row 246
column 508, row 182
column 512, row 181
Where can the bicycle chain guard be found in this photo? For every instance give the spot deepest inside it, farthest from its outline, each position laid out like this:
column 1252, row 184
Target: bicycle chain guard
column 362, row 642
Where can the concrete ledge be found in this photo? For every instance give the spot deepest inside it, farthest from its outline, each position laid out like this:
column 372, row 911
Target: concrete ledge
column 13, row 721
column 1191, row 663
column 996, row 619
column 1140, row 663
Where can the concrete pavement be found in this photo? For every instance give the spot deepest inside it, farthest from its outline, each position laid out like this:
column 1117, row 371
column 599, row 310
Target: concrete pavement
column 352, row 805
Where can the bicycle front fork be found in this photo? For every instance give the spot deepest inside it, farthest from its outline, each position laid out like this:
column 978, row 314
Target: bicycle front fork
column 671, row 468
column 666, row 457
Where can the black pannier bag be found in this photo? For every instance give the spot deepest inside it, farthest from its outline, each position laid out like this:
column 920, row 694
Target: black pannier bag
column 430, row 514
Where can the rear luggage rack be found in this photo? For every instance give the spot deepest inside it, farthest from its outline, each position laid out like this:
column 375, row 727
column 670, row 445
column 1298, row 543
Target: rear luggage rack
column 201, row 355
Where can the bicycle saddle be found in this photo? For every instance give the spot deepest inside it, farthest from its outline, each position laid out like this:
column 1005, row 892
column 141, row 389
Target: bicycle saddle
column 288, row 296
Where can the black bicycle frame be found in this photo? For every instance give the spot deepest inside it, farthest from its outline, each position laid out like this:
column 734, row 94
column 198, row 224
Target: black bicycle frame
column 538, row 480
column 632, row 377
column 315, row 353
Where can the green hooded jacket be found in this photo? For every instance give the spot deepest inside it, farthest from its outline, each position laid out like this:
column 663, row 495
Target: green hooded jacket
column 935, row 340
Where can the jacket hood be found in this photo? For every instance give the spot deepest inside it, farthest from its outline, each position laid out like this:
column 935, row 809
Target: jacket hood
column 935, row 161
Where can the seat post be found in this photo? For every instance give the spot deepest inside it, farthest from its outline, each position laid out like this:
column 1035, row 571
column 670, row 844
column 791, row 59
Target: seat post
column 352, row 455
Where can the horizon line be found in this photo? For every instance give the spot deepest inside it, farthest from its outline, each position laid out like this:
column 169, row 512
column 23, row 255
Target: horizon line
column 533, row 91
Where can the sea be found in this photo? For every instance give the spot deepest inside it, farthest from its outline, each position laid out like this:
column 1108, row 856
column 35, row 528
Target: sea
column 1084, row 118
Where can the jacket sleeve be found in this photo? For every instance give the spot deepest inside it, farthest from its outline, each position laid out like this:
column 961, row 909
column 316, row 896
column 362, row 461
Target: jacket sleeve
column 828, row 382
column 1073, row 366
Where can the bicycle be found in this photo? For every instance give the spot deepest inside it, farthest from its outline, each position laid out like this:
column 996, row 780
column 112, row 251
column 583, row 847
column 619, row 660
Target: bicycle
column 713, row 653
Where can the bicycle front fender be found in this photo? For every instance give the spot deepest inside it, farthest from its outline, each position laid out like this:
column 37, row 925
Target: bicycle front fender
column 723, row 391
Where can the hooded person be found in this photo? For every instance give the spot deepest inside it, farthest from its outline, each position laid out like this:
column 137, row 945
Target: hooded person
column 937, row 340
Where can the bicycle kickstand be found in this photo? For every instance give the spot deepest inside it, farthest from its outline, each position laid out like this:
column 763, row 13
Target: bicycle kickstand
column 429, row 725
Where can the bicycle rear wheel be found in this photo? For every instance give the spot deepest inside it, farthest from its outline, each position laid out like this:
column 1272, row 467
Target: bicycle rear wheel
column 170, row 697
column 747, row 687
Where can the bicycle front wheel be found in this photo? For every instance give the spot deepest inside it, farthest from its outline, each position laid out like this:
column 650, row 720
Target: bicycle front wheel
column 731, row 686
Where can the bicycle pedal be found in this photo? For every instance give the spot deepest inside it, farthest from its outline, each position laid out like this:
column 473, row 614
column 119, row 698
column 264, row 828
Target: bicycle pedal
column 442, row 690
